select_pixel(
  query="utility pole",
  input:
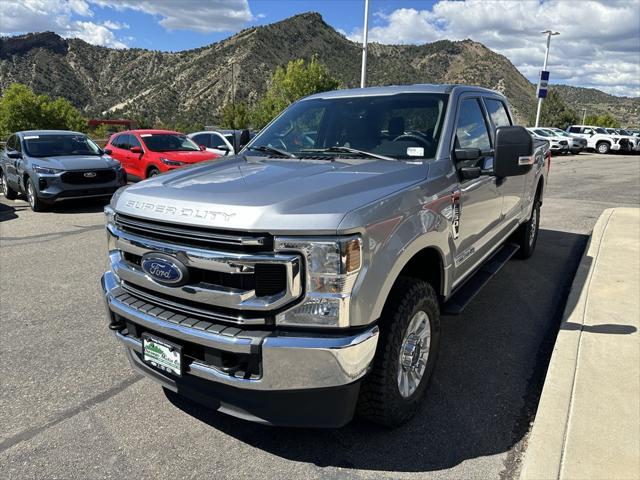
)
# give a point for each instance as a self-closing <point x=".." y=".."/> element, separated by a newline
<point x="363" y="74"/>
<point x="548" y="33"/>
<point x="584" y="115"/>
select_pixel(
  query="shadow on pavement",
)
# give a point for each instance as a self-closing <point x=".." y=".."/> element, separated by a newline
<point x="484" y="391"/>
<point x="609" y="328"/>
<point x="8" y="212"/>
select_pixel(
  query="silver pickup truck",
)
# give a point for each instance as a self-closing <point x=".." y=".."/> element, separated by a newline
<point x="303" y="280"/>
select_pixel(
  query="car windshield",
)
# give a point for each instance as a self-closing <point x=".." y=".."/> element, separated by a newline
<point x="551" y="133"/>
<point x="402" y="126"/>
<point x="561" y="133"/>
<point x="624" y="132"/>
<point x="169" y="142"/>
<point x="58" y="145"/>
<point x="542" y="133"/>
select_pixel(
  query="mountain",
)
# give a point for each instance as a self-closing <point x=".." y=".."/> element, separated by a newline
<point x="625" y="109"/>
<point x="191" y="86"/>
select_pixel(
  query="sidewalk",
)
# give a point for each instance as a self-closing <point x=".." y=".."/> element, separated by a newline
<point x="588" y="420"/>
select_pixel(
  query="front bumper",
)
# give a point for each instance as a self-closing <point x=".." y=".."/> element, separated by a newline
<point x="293" y="370"/>
<point x="52" y="188"/>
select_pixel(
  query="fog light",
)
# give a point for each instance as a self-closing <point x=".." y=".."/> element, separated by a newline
<point x="314" y="311"/>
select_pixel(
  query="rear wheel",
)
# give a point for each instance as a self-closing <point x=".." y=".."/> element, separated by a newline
<point x="528" y="233"/>
<point x="153" y="171"/>
<point x="35" y="203"/>
<point x="603" y="148"/>
<point x="406" y="355"/>
<point x="9" y="193"/>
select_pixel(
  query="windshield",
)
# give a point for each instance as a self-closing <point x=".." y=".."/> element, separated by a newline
<point x="397" y="126"/>
<point x="542" y="133"/>
<point x="169" y="142"/>
<point x="551" y="133"/>
<point x="623" y="132"/>
<point x="58" y="145"/>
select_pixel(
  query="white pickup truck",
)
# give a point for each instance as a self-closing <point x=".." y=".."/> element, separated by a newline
<point x="599" y="139"/>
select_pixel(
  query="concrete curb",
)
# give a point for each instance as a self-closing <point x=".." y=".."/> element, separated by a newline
<point x="560" y="429"/>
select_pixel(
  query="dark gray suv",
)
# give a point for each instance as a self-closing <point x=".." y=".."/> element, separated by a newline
<point x="54" y="165"/>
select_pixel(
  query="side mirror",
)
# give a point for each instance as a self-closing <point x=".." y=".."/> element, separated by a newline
<point x="108" y="151"/>
<point x="513" y="152"/>
<point x="14" y="154"/>
<point x="202" y="148"/>
<point x="136" y="150"/>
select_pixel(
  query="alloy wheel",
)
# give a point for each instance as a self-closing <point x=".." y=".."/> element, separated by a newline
<point x="414" y="353"/>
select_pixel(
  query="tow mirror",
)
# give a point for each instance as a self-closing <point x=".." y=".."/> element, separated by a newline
<point x="136" y="150"/>
<point x="513" y="151"/>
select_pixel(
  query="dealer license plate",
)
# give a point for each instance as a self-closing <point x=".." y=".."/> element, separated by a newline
<point x="162" y="354"/>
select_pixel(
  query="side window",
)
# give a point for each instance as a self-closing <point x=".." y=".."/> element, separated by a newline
<point x="497" y="112"/>
<point x="574" y="129"/>
<point x="471" y="129"/>
<point x="587" y="130"/>
<point x="133" y="142"/>
<point x="202" y="139"/>
<point x="11" y="143"/>
<point x="117" y="142"/>
<point x="218" y="142"/>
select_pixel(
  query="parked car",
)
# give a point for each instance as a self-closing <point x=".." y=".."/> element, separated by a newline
<point x="146" y="153"/>
<point x="598" y="138"/>
<point x="633" y="142"/>
<point x="50" y="166"/>
<point x="557" y="143"/>
<point x="576" y="144"/>
<point x="215" y="142"/>
<point x="299" y="282"/>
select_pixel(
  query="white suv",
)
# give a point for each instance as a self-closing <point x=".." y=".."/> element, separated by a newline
<point x="598" y="138"/>
<point x="634" y="142"/>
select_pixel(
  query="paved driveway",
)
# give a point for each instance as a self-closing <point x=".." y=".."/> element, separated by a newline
<point x="70" y="407"/>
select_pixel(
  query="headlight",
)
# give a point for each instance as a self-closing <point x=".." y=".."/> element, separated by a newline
<point x="46" y="170"/>
<point x="171" y="163"/>
<point x="332" y="266"/>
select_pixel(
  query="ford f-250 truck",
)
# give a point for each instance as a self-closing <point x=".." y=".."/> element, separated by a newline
<point x="303" y="279"/>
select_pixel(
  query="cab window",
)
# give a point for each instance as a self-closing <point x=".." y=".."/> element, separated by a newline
<point x="497" y="112"/>
<point x="471" y="129"/>
<point x="203" y="139"/>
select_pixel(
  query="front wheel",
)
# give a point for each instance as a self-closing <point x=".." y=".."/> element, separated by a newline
<point x="603" y="148"/>
<point x="406" y="355"/>
<point x="153" y="171"/>
<point x="35" y="203"/>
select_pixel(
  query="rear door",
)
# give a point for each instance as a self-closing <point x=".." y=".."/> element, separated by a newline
<point x="120" y="150"/>
<point x="135" y="160"/>
<point x="9" y="164"/>
<point x="480" y="202"/>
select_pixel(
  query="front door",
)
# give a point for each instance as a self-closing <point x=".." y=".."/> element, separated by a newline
<point x="480" y="203"/>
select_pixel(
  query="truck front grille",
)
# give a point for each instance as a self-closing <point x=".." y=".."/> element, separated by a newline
<point x="228" y="284"/>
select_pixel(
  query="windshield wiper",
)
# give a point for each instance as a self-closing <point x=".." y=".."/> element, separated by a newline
<point x="338" y="149"/>
<point x="268" y="149"/>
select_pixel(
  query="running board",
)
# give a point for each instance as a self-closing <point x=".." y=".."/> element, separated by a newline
<point x="469" y="289"/>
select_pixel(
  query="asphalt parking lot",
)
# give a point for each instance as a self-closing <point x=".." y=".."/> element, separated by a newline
<point x="70" y="406"/>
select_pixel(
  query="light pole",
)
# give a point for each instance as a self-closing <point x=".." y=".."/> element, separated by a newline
<point x="584" y="115"/>
<point x="548" y="33"/>
<point x="363" y="74"/>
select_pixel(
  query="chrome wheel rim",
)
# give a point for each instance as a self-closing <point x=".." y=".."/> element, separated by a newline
<point x="414" y="353"/>
<point x="30" y="194"/>
<point x="534" y="226"/>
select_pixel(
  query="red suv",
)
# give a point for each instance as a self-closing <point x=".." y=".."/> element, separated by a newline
<point x="146" y="153"/>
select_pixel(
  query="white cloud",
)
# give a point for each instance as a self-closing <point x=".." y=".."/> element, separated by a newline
<point x="111" y="25"/>
<point x="21" y="16"/>
<point x="197" y="15"/>
<point x="599" y="45"/>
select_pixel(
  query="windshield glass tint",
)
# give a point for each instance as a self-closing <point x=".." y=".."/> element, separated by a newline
<point x="52" y="145"/>
<point x="169" y="142"/>
<point x="398" y="126"/>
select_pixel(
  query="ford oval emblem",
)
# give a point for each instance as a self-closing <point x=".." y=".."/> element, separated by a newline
<point x="90" y="174"/>
<point x="164" y="269"/>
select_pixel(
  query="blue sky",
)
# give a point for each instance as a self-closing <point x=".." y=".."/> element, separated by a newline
<point x="606" y="57"/>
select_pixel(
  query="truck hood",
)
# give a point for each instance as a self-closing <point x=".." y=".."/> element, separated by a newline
<point x="76" y="162"/>
<point x="268" y="195"/>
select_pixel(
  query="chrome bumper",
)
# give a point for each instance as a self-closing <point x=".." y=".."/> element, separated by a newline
<point x="290" y="361"/>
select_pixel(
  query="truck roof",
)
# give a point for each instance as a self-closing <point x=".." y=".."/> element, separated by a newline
<point x="395" y="89"/>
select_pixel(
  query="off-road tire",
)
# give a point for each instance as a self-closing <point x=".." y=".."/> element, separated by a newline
<point x="527" y="235"/>
<point x="380" y="400"/>
<point x="9" y="193"/>
<point x="603" y="148"/>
